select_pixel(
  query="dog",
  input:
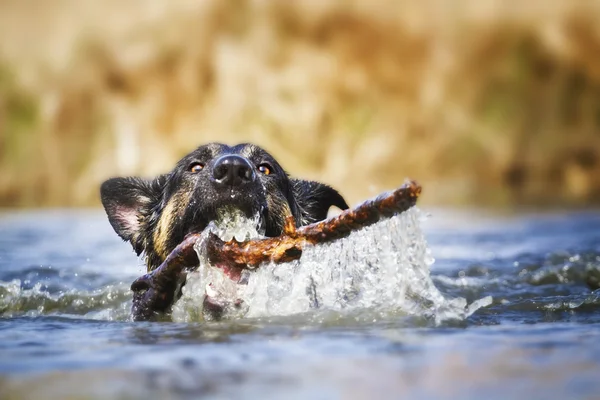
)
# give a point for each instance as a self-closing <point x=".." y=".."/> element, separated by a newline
<point x="155" y="215"/>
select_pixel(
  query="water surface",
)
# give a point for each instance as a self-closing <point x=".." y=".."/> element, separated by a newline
<point x="65" y="329"/>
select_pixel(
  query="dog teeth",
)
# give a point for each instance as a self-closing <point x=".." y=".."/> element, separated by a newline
<point x="227" y="236"/>
<point x="241" y="236"/>
<point x="232" y="225"/>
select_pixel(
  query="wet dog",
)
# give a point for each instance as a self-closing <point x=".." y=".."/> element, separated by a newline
<point x="155" y="215"/>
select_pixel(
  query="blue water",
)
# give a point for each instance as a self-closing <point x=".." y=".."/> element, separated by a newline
<point x="65" y="328"/>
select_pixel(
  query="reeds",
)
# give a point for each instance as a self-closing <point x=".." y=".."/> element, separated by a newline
<point x="483" y="102"/>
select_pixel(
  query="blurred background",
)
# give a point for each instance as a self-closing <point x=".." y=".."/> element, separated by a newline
<point x="491" y="103"/>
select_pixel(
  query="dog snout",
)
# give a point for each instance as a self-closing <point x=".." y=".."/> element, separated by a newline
<point x="232" y="170"/>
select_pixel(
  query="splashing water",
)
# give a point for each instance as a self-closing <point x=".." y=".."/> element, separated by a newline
<point x="384" y="266"/>
<point x="111" y="302"/>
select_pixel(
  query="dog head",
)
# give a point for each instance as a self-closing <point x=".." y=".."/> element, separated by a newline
<point x="156" y="215"/>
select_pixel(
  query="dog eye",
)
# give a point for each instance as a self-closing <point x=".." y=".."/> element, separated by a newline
<point x="265" y="169"/>
<point x="196" y="167"/>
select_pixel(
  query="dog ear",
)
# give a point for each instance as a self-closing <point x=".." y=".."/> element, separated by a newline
<point x="127" y="202"/>
<point x="314" y="199"/>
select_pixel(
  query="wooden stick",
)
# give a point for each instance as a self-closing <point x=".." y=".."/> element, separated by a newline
<point x="155" y="291"/>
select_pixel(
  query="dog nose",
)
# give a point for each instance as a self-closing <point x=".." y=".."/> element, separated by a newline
<point x="232" y="170"/>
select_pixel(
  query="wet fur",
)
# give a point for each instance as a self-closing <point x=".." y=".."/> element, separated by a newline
<point x="155" y="215"/>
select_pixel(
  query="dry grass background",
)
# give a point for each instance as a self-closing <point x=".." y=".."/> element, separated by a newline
<point x="484" y="102"/>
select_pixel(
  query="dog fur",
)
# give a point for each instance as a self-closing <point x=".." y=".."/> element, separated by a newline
<point x="155" y="215"/>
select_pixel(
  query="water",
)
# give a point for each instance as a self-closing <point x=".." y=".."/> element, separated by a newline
<point x="505" y="313"/>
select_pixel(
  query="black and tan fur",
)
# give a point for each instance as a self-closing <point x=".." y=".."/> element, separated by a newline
<point x="155" y="215"/>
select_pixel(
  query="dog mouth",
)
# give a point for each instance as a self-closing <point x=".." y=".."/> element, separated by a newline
<point x="229" y="220"/>
<point x="234" y="223"/>
<point x="215" y="287"/>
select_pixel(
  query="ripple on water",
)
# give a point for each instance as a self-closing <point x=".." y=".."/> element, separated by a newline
<point x="111" y="302"/>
